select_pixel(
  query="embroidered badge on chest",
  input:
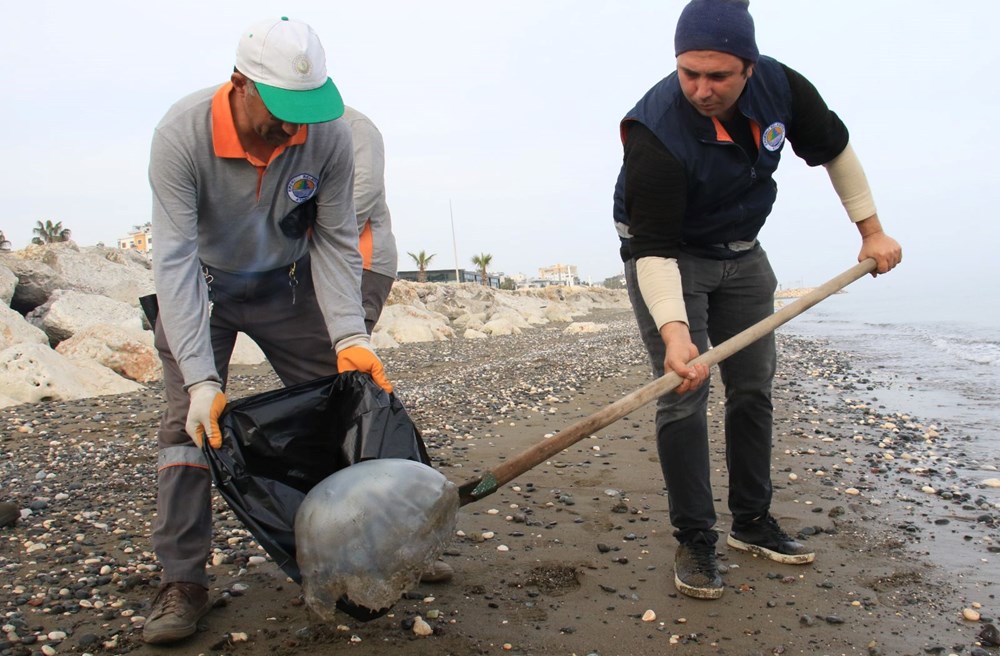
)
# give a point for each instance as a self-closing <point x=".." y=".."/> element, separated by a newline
<point x="774" y="136"/>
<point x="302" y="187"/>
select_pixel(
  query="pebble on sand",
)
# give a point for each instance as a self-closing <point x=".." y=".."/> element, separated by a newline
<point x="422" y="628"/>
<point x="649" y="616"/>
<point x="971" y="615"/>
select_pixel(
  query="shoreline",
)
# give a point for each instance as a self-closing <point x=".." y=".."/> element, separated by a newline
<point x="589" y="546"/>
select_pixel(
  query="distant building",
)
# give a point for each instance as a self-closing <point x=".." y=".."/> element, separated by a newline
<point x="448" y="275"/>
<point x="141" y="240"/>
<point x="557" y="274"/>
<point x="519" y="279"/>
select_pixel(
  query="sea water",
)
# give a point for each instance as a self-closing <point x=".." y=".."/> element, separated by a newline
<point x="933" y="356"/>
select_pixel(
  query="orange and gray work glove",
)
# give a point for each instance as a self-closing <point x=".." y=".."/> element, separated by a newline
<point x="358" y="356"/>
<point x="207" y="403"/>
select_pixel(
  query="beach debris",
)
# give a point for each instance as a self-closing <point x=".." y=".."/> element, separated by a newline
<point x="408" y="510"/>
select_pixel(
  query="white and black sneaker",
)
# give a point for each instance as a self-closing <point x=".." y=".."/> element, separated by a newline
<point x="765" y="538"/>
<point x="696" y="573"/>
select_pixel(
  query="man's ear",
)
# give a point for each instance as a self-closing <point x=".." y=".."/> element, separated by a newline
<point x="750" y="71"/>
<point x="239" y="81"/>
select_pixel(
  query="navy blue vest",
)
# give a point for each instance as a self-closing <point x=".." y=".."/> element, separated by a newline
<point x="728" y="196"/>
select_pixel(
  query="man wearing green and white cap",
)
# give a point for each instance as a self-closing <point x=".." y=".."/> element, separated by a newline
<point x="254" y="231"/>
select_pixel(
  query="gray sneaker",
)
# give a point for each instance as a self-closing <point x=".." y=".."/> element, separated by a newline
<point x="765" y="538"/>
<point x="696" y="574"/>
<point x="175" y="613"/>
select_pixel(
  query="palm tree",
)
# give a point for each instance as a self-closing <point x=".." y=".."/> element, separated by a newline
<point x="422" y="259"/>
<point x="4" y="243"/>
<point x="48" y="232"/>
<point x="482" y="261"/>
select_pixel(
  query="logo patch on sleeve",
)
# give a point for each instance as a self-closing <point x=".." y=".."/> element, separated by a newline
<point x="774" y="136"/>
<point x="302" y="187"/>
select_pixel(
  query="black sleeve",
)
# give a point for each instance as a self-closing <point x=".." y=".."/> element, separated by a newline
<point x="655" y="194"/>
<point x="817" y="134"/>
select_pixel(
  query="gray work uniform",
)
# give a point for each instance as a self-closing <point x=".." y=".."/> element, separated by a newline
<point x="223" y="264"/>
<point x="378" y="244"/>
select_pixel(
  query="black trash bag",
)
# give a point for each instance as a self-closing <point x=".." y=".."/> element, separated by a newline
<point x="276" y="446"/>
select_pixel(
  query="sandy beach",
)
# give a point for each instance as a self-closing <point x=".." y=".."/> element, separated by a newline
<point x="904" y="545"/>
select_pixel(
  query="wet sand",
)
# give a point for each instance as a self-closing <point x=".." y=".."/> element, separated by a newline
<point x="903" y="545"/>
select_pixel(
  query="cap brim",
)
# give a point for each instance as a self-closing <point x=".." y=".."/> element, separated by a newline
<point x="313" y="106"/>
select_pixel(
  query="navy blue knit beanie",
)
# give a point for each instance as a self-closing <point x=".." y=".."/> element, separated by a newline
<point x="721" y="25"/>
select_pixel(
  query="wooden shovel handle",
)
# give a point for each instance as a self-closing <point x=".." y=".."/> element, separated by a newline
<point x="487" y="484"/>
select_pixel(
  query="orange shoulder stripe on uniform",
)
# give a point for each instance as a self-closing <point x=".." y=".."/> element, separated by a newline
<point x="365" y="245"/>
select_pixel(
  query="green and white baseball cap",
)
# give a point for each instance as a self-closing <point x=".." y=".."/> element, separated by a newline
<point x="287" y="62"/>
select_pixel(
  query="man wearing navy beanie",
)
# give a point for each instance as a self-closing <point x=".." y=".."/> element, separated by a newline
<point x="695" y="188"/>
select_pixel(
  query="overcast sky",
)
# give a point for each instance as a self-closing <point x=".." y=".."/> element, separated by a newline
<point x="508" y="112"/>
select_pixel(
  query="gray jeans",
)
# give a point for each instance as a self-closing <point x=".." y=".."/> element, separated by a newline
<point x="722" y="297"/>
<point x="294" y="338"/>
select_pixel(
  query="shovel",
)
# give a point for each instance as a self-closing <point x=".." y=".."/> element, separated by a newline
<point x="488" y="483"/>
<point x="415" y="515"/>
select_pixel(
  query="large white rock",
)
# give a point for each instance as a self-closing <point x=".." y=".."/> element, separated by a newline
<point x="509" y="316"/>
<point x="121" y="275"/>
<point x="408" y="323"/>
<point x="129" y="353"/>
<point x="583" y="327"/>
<point x="382" y="340"/>
<point x="35" y="281"/>
<point x="561" y="313"/>
<point x="531" y="310"/>
<point x="32" y="373"/>
<point x="68" y="312"/>
<point x="246" y="351"/>
<point x="474" y="321"/>
<point x="15" y="330"/>
<point x="455" y="301"/>
<point x="504" y="325"/>
<point x="8" y="283"/>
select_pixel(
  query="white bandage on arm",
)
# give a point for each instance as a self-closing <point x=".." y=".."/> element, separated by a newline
<point x="851" y="185"/>
<point x="659" y="281"/>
